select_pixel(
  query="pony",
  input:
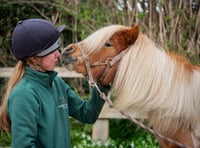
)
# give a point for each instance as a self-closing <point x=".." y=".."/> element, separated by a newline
<point x="162" y="86"/>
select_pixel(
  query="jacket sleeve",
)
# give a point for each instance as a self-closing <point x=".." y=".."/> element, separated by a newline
<point x="86" y="111"/>
<point x="23" y="111"/>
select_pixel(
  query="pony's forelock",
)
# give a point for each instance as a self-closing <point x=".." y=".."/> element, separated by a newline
<point x="97" y="39"/>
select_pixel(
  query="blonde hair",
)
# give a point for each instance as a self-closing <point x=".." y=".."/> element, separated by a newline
<point x="17" y="75"/>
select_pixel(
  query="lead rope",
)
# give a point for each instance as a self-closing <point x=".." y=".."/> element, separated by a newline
<point x="92" y="83"/>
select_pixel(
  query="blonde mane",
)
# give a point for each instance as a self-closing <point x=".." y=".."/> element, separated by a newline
<point x="152" y="83"/>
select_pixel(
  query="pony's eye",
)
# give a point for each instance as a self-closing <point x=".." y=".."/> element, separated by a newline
<point x="107" y="44"/>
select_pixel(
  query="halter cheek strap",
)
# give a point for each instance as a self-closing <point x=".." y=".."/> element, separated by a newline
<point x="110" y="62"/>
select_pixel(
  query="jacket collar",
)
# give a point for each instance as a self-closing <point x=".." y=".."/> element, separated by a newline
<point x="43" y="78"/>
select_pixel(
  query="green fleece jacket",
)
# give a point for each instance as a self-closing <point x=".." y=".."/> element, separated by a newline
<point x="39" y="108"/>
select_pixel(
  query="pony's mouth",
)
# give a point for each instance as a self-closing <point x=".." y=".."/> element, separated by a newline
<point x="69" y="60"/>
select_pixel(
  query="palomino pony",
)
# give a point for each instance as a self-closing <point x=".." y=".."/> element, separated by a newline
<point x="162" y="86"/>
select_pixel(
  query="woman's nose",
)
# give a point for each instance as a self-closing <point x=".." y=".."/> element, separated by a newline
<point x="57" y="53"/>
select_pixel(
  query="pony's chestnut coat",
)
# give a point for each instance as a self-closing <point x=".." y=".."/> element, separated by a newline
<point x="148" y="81"/>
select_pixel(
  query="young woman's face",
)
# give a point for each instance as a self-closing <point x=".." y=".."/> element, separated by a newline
<point x="48" y="63"/>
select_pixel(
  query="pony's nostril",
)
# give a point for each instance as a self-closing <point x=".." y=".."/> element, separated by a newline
<point x="69" y="50"/>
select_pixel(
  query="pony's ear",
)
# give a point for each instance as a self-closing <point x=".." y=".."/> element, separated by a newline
<point x="134" y="32"/>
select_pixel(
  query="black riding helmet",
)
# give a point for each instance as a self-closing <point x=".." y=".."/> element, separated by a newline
<point x="35" y="37"/>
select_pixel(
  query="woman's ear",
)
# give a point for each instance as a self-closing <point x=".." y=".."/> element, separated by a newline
<point x="33" y="60"/>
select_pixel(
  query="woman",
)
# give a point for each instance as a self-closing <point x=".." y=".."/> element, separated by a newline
<point x="37" y="102"/>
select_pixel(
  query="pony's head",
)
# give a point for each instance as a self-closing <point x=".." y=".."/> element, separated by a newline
<point x="103" y="49"/>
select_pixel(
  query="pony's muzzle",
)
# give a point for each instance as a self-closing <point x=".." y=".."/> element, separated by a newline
<point x="66" y="58"/>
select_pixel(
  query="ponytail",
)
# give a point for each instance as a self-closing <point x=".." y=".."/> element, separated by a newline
<point x="17" y="75"/>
